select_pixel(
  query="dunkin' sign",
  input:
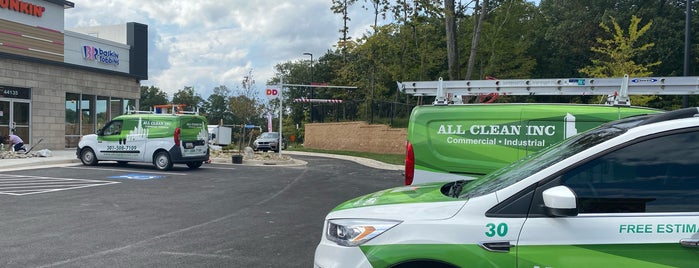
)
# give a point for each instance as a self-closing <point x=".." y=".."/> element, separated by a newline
<point x="23" y="7"/>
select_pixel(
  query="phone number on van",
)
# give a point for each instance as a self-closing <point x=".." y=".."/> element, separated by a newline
<point x="120" y="148"/>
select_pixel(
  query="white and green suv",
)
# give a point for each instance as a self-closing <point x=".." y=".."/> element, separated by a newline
<point x="625" y="194"/>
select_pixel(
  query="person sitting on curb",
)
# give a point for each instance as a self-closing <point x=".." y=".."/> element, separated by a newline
<point x="16" y="142"/>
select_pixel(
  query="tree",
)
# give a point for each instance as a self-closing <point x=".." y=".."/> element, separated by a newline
<point x="615" y="57"/>
<point x="452" y="44"/>
<point x="216" y="106"/>
<point x="342" y="7"/>
<point x="298" y="72"/>
<point x="151" y="96"/>
<point x="245" y="106"/>
<point x="506" y="39"/>
<point x="565" y="31"/>
<point x="188" y="97"/>
<point x="479" y="17"/>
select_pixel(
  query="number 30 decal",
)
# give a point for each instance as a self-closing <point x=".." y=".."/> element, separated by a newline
<point x="499" y="230"/>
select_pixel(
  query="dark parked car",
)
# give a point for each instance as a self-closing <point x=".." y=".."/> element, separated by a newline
<point x="269" y="141"/>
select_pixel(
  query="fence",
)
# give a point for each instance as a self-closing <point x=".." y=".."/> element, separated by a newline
<point x="394" y="114"/>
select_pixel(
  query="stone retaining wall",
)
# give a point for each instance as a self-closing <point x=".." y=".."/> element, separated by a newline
<point x="355" y="136"/>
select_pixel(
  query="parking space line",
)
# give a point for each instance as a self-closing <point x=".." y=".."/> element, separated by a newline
<point x="223" y="168"/>
<point x="131" y="170"/>
<point x="18" y="185"/>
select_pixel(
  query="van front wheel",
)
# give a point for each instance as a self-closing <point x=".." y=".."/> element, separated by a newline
<point x="195" y="164"/>
<point x="162" y="161"/>
<point x="88" y="157"/>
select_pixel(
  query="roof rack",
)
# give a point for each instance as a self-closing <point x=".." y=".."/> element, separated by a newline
<point x="618" y="89"/>
<point x="174" y="109"/>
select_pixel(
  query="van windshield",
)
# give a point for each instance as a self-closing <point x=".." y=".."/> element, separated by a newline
<point x="528" y="166"/>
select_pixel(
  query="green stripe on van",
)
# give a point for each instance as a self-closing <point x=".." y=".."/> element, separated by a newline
<point x="570" y="256"/>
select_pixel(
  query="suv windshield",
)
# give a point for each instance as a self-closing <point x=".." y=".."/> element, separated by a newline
<point x="547" y="157"/>
<point x="268" y="135"/>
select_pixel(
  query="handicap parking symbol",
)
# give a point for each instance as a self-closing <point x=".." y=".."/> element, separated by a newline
<point x="136" y="177"/>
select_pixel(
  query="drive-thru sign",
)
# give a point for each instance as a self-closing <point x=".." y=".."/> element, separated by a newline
<point x="272" y="93"/>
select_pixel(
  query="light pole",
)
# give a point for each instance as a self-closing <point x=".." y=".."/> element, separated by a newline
<point x="687" y="47"/>
<point x="311" y="83"/>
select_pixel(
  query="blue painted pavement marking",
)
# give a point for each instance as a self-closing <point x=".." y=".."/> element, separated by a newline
<point x="136" y="177"/>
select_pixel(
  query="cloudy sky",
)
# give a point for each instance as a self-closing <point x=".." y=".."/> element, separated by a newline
<point x="207" y="43"/>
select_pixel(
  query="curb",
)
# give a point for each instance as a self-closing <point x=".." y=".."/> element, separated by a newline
<point x="68" y="157"/>
<point x="359" y="160"/>
<point x="291" y="162"/>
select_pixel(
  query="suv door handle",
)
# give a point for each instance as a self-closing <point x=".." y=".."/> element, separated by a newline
<point x="496" y="246"/>
<point x="690" y="243"/>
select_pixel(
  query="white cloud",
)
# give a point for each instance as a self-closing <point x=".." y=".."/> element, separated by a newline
<point x="208" y="43"/>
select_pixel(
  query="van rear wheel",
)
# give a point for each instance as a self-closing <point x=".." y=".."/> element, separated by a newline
<point x="88" y="157"/>
<point x="195" y="164"/>
<point x="162" y="161"/>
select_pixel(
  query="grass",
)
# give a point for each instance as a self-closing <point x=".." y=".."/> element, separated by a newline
<point x="395" y="159"/>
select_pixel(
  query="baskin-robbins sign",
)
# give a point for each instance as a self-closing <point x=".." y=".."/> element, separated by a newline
<point x="100" y="55"/>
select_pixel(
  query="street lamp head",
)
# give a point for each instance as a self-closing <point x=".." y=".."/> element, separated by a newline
<point x="309" y="54"/>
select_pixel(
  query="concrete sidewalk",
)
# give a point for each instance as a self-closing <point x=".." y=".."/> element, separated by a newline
<point x="58" y="157"/>
<point x="68" y="156"/>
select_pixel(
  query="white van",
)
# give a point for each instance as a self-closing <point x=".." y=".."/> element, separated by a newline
<point x="161" y="139"/>
<point x="625" y="194"/>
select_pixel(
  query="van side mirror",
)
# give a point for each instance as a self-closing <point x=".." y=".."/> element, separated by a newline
<point x="99" y="132"/>
<point x="560" y="201"/>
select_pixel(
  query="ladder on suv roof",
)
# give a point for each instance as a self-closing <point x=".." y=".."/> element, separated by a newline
<point x="619" y="89"/>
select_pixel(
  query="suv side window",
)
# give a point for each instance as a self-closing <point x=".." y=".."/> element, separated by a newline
<point x="654" y="175"/>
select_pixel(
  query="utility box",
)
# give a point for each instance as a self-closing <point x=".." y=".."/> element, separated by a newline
<point x="219" y="135"/>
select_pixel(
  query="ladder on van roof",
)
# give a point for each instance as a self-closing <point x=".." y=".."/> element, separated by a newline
<point x="174" y="109"/>
<point x="617" y="89"/>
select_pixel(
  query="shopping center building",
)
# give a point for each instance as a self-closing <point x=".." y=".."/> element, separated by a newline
<point x="57" y="84"/>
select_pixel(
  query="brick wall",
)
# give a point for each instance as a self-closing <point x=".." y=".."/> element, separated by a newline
<point x="355" y="136"/>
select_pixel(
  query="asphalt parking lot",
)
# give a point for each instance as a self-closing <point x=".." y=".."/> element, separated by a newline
<point x="221" y="215"/>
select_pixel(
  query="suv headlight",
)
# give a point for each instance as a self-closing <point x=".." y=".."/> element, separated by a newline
<point x="354" y="232"/>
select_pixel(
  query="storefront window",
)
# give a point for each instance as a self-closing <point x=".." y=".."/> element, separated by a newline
<point x="101" y="111"/>
<point x="87" y="114"/>
<point x="4" y="117"/>
<point x="130" y="104"/>
<point x="5" y="113"/>
<point x="20" y="120"/>
<point x="72" y="120"/>
<point x="21" y="115"/>
<point x="116" y="107"/>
